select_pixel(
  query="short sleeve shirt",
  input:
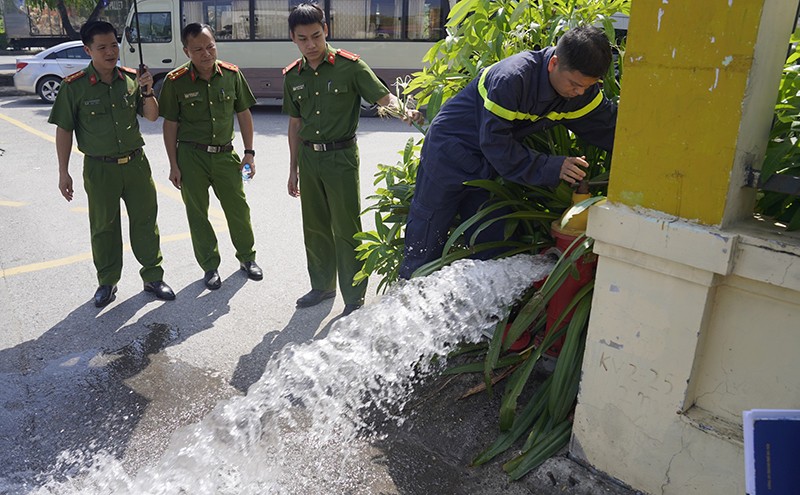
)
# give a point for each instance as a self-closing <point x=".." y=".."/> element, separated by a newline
<point x="204" y="109"/>
<point x="103" y="116"/>
<point x="328" y="98"/>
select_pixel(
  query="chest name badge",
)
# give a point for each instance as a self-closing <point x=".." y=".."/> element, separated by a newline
<point x="298" y="88"/>
<point x="191" y="95"/>
<point x="92" y="102"/>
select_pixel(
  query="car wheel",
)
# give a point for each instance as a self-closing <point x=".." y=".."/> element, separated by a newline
<point x="47" y="89"/>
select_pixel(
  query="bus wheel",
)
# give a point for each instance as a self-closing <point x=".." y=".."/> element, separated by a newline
<point x="368" y="109"/>
<point x="48" y="88"/>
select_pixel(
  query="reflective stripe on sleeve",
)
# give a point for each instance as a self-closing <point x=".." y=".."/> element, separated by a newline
<point x="507" y="114"/>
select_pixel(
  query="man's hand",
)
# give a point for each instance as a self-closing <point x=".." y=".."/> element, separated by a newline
<point x="65" y="186"/>
<point x="250" y="160"/>
<point x="294" y="188"/>
<point x="175" y="177"/>
<point x="145" y="80"/>
<point x="414" y="116"/>
<point x="572" y="169"/>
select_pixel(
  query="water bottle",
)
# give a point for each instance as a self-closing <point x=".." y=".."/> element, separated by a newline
<point x="246" y="173"/>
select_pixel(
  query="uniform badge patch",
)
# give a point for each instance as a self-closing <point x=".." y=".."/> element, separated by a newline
<point x="92" y="102"/>
<point x="298" y="88"/>
<point x="191" y="95"/>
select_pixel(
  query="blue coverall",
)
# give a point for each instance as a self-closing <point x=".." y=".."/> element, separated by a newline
<point x="478" y="135"/>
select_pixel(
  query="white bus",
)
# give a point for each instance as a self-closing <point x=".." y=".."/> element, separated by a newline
<point x="392" y="36"/>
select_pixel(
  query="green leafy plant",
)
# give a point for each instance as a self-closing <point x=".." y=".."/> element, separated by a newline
<point x="381" y="250"/>
<point x="783" y="148"/>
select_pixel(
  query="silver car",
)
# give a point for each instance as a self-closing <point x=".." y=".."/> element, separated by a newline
<point x="43" y="72"/>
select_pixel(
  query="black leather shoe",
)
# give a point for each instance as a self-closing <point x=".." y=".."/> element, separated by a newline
<point x="349" y="308"/>
<point x="104" y="295"/>
<point x="314" y="297"/>
<point x="160" y="289"/>
<point x="252" y="269"/>
<point x="212" y="280"/>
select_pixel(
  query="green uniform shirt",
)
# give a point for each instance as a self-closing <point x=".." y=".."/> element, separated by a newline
<point x="328" y="99"/>
<point x="102" y="115"/>
<point x="205" y="109"/>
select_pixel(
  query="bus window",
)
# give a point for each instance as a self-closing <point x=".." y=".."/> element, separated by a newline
<point x="366" y="19"/>
<point x="156" y="27"/>
<point x="230" y="19"/>
<point x="426" y="18"/>
<point x="272" y="18"/>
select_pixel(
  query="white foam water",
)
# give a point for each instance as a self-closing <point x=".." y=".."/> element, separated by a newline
<point x="306" y="425"/>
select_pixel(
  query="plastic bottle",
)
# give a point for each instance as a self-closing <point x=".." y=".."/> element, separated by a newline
<point x="246" y="173"/>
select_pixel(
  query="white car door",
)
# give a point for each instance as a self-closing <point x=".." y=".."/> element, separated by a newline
<point x="71" y="60"/>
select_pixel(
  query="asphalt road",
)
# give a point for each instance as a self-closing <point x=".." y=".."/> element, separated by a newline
<point x="176" y="358"/>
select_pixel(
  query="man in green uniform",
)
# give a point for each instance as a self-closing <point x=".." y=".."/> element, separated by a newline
<point x="100" y="104"/>
<point x="198" y="102"/>
<point x="322" y="94"/>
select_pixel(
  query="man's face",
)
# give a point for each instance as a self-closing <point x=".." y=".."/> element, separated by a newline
<point x="310" y="39"/>
<point x="568" y="83"/>
<point x="104" y="51"/>
<point x="202" y="50"/>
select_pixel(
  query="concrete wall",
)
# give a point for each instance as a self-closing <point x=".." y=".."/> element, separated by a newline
<point x="696" y="310"/>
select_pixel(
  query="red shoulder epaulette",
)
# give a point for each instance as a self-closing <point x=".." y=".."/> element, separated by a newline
<point x="177" y="73"/>
<point x="348" y="55"/>
<point x="74" y="76"/>
<point x="291" y="66"/>
<point x="128" y="70"/>
<point x="228" y="65"/>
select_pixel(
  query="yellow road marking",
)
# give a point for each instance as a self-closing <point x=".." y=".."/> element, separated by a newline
<point x="69" y="260"/>
<point x="214" y="212"/>
<point x="169" y="191"/>
<point x="33" y="131"/>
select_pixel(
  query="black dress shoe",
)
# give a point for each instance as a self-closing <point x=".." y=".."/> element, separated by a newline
<point x="160" y="289"/>
<point x="349" y="308"/>
<point x="252" y="269"/>
<point x="104" y="295"/>
<point x="314" y="297"/>
<point x="212" y="280"/>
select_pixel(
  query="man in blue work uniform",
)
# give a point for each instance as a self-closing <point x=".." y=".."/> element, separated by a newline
<point x="478" y="135"/>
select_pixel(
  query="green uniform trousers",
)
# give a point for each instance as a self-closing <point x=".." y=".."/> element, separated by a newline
<point x="331" y="208"/>
<point x="106" y="184"/>
<point x="220" y="171"/>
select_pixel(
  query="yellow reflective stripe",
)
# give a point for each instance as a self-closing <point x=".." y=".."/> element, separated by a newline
<point x="576" y="114"/>
<point x="497" y="109"/>
<point x="512" y="115"/>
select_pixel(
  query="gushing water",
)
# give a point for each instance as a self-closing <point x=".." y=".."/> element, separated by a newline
<point x="303" y="427"/>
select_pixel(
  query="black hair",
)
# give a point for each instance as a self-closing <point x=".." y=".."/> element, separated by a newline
<point x="90" y="29"/>
<point x="192" y="30"/>
<point x="585" y="49"/>
<point x="305" y="14"/>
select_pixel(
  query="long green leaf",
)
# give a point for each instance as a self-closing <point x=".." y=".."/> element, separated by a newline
<point x="524" y="420"/>
<point x="554" y="441"/>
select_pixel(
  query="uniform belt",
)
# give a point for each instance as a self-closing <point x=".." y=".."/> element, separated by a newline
<point x="211" y="148"/>
<point x="336" y="145"/>
<point x="119" y="160"/>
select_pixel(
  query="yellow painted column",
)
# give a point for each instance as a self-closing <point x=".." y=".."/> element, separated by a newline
<point x="657" y="406"/>
<point x="687" y="127"/>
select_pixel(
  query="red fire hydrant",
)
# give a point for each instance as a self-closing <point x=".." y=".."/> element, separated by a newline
<point x="586" y="265"/>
